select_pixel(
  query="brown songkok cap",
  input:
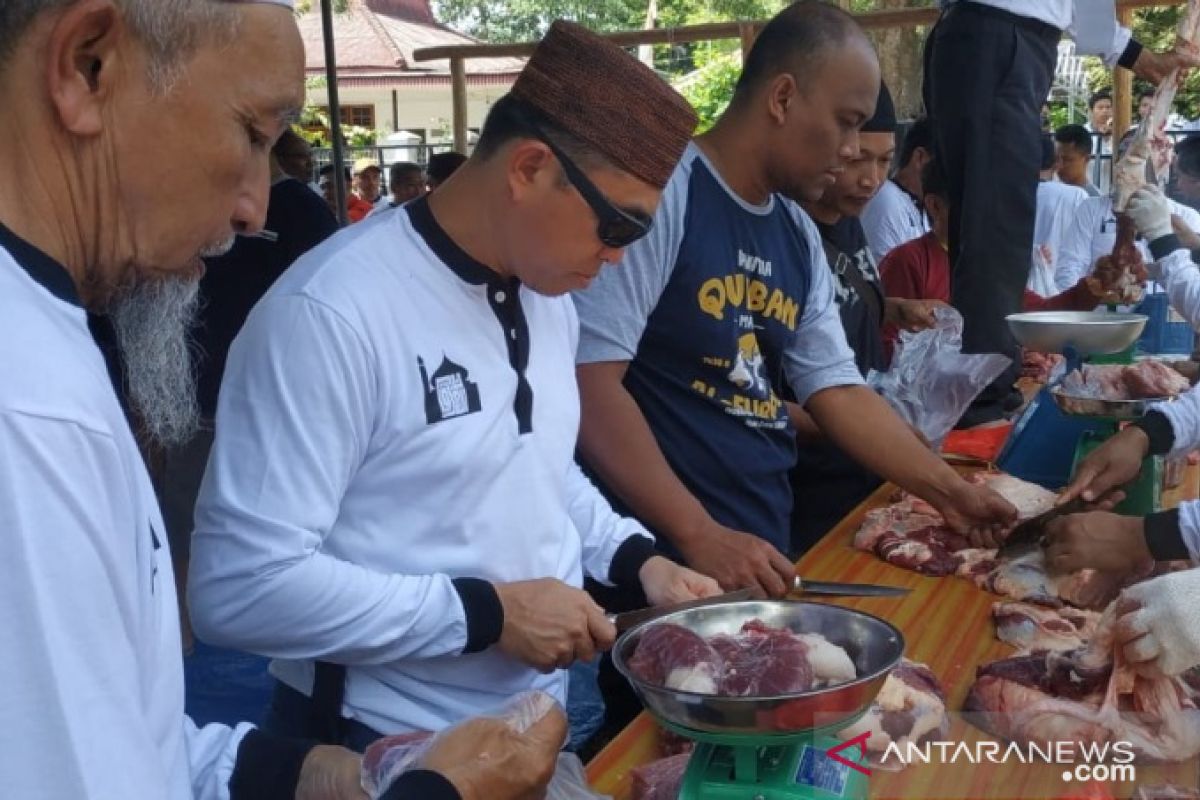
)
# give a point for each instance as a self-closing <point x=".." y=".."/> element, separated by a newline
<point x="610" y="101"/>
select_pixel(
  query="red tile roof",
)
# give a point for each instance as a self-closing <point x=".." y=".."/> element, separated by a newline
<point x="378" y="37"/>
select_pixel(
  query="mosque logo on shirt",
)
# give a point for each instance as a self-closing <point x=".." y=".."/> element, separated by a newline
<point x="449" y="392"/>
<point x="749" y="369"/>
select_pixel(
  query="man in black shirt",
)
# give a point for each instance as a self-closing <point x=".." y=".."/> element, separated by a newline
<point x="826" y="482"/>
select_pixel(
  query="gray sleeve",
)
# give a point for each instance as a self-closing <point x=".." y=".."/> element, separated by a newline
<point x="819" y="356"/>
<point x="614" y="309"/>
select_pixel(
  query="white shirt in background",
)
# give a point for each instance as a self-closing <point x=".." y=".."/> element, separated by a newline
<point x="1056" y="207"/>
<point x="891" y="219"/>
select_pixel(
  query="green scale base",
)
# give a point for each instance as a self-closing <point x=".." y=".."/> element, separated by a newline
<point x="792" y="766"/>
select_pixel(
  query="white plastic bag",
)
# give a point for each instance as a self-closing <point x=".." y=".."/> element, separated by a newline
<point x="390" y="757"/>
<point x="931" y="382"/>
<point x="1041" y="271"/>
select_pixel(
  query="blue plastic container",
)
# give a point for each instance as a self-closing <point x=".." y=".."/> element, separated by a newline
<point x="1166" y="332"/>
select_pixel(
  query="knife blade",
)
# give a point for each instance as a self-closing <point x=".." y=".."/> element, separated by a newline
<point x="835" y="589"/>
<point x="1028" y="534"/>
<point x="626" y="620"/>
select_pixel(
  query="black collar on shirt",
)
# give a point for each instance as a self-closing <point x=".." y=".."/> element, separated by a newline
<point x="447" y="249"/>
<point x="503" y="295"/>
<point x="52" y="275"/>
<point x="916" y="201"/>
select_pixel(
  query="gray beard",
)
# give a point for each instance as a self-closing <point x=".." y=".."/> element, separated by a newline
<point x="153" y="322"/>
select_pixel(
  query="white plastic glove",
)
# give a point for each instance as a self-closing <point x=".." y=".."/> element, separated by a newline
<point x="1163" y="636"/>
<point x="1150" y="212"/>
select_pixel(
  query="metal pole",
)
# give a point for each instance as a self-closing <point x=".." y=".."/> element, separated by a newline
<point x="335" y="112"/>
<point x="458" y="92"/>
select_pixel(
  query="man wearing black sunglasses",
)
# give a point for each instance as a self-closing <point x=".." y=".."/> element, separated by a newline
<point x="685" y="349"/>
<point x="398" y="422"/>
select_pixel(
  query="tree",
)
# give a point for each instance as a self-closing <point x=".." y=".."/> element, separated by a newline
<point x="527" y="20"/>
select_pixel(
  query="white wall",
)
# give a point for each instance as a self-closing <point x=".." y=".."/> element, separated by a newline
<point x="419" y="108"/>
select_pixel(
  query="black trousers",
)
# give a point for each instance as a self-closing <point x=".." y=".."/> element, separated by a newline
<point x="987" y="73"/>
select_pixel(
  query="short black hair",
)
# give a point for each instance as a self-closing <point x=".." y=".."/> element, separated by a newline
<point x="1077" y="136"/>
<point x="511" y="118"/>
<point x="1103" y="94"/>
<point x="933" y="180"/>
<point x="401" y="167"/>
<point x="1146" y="91"/>
<point x="442" y="165"/>
<point x="796" y="40"/>
<point x="1047" y="152"/>
<point x="328" y="170"/>
<point x="1187" y="153"/>
<point x="919" y="134"/>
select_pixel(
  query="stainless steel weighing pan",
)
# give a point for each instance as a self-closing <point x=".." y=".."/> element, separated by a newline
<point x="1089" y="332"/>
<point x="1104" y="409"/>
<point x="874" y="646"/>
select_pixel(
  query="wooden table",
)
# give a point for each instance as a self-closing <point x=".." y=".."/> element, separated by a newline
<point x="947" y="624"/>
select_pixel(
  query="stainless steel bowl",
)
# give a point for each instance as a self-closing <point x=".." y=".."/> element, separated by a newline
<point x="1104" y="409"/>
<point x="874" y="646"/>
<point x="1089" y="332"/>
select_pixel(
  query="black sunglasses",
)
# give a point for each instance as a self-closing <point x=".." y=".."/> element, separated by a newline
<point x="615" y="226"/>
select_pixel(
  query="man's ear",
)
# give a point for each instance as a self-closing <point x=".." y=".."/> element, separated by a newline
<point x="782" y="94"/>
<point x="81" y="56"/>
<point x="528" y="160"/>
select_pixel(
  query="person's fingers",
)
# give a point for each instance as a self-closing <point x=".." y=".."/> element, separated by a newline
<point x="771" y="582"/>
<point x="783" y="565"/>
<point x="549" y="732"/>
<point x="601" y="633"/>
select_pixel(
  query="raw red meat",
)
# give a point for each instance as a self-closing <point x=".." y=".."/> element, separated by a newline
<point x="1033" y="628"/>
<point x="659" y="780"/>
<point x="1038" y="366"/>
<point x="757" y="661"/>
<point x="673" y="656"/>
<point x="1084" y="696"/>
<point x="1145" y="380"/>
<point x="911" y="707"/>
<point x="763" y="662"/>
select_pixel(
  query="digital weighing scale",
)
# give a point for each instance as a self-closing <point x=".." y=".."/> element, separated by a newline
<point x="1056" y="432"/>
<point x="773" y="748"/>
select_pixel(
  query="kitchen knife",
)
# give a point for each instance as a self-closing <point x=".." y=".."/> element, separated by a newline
<point x="628" y="619"/>
<point x="1028" y="534"/>
<point x="833" y="589"/>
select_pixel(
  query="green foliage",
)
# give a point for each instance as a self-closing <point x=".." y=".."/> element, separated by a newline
<point x="1154" y="28"/>
<point x="710" y="88"/>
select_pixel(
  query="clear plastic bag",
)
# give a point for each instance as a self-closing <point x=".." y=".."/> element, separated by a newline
<point x="390" y="757"/>
<point x="931" y="381"/>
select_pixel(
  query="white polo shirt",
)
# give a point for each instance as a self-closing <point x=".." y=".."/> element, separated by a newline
<point x="91" y="676"/>
<point x="891" y="219"/>
<point x="396" y="427"/>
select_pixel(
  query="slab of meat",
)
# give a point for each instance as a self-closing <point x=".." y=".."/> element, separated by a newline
<point x="673" y="656"/>
<point x="1033" y="628"/>
<point x="1150" y="144"/>
<point x="764" y="662"/>
<point x="1038" y="366"/>
<point x="1086" y="695"/>
<point x="911" y="707"/>
<point x="659" y="780"/>
<point x="1145" y="380"/>
<point x="757" y="661"/>
<point x="909" y="533"/>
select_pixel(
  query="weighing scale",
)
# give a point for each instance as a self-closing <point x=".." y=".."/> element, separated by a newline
<point x="1056" y="432"/>
<point x="792" y="766"/>
<point x="773" y="748"/>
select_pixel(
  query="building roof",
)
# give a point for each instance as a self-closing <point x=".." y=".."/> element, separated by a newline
<point x="375" y="40"/>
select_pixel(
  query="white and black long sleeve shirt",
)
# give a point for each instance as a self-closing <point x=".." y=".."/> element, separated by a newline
<point x="395" y="435"/>
<point x="1091" y="23"/>
<point x="91" y="677"/>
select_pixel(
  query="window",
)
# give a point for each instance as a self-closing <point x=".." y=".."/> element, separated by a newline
<point x="361" y="116"/>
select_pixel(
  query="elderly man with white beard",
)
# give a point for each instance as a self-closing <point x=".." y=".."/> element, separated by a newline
<point x="110" y="105"/>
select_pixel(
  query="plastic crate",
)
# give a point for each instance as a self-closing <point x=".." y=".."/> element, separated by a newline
<point x="1166" y="332"/>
